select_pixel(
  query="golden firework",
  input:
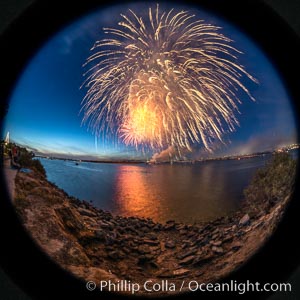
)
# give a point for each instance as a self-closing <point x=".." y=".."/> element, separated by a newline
<point x="164" y="79"/>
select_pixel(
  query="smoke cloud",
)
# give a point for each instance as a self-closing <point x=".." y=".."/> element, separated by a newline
<point x="164" y="156"/>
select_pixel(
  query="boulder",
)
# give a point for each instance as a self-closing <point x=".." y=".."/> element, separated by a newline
<point x="187" y="253"/>
<point x="181" y="272"/>
<point x="244" y="220"/>
<point x="218" y="250"/>
<point x="169" y="226"/>
<point x="69" y="219"/>
<point x="162" y="246"/>
<point x="170" y="244"/>
<point x="187" y="260"/>
<point x="86" y="212"/>
<point x="216" y="243"/>
<point x="236" y="246"/>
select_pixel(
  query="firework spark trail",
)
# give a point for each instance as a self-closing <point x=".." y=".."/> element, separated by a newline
<point x="165" y="80"/>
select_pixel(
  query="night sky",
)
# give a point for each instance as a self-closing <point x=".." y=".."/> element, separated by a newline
<point x="44" y="111"/>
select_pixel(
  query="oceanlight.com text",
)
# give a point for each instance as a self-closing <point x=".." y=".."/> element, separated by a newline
<point x="151" y="286"/>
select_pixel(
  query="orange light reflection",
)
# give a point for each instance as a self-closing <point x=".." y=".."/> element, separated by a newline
<point x="134" y="194"/>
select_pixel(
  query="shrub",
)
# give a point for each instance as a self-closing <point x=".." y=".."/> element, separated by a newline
<point x="273" y="182"/>
<point x="26" y="160"/>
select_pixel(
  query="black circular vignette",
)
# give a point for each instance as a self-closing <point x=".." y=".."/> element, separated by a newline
<point x="29" y="267"/>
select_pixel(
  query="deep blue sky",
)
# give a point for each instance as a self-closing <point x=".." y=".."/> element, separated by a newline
<point x="44" y="111"/>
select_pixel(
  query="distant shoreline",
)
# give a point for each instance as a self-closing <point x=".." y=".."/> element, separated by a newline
<point x="91" y="161"/>
<point x="224" y="158"/>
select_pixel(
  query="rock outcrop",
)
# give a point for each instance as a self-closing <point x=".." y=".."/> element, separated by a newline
<point x="95" y="245"/>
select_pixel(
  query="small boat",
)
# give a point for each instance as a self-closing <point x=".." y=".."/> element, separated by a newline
<point x="77" y="162"/>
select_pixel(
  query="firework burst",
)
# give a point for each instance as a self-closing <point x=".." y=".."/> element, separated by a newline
<point x="164" y="79"/>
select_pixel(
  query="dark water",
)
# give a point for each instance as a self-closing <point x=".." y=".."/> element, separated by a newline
<point x="185" y="193"/>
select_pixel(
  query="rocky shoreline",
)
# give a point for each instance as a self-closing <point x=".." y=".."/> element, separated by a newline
<point x="95" y="245"/>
